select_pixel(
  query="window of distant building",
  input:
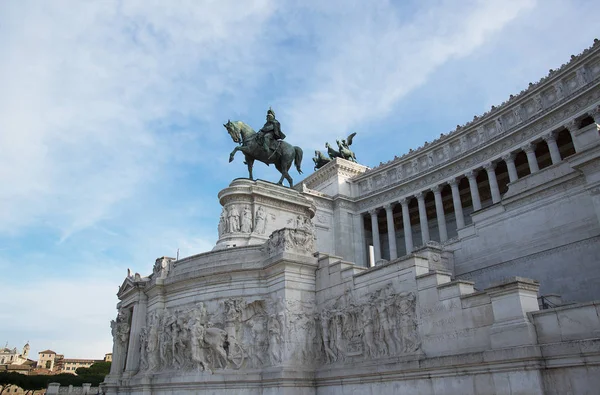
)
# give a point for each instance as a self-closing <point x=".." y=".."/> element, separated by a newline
<point x="48" y="364"/>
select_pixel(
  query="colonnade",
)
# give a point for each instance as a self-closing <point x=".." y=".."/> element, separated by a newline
<point x="490" y="168"/>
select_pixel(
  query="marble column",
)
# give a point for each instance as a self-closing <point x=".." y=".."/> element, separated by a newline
<point x="423" y="217"/>
<point x="458" y="211"/>
<point x="389" y="212"/>
<point x="531" y="159"/>
<point x="550" y="139"/>
<point x="490" y="168"/>
<point x="439" y="211"/>
<point x="572" y="127"/>
<point x="407" y="228"/>
<point x="472" y="177"/>
<point x="509" y="159"/>
<point x="375" y="232"/>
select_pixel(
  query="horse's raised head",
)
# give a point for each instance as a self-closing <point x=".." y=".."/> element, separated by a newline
<point x="233" y="131"/>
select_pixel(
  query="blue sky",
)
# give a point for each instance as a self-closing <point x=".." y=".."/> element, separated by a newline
<point x="111" y="120"/>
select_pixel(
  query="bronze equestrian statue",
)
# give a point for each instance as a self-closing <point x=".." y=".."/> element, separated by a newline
<point x="266" y="146"/>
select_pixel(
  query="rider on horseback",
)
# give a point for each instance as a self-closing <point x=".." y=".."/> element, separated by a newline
<point x="271" y="131"/>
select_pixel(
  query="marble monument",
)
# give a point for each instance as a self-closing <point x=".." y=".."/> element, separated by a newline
<point x="466" y="266"/>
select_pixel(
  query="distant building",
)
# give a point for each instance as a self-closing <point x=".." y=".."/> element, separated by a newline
<point x="50" y="362"/>
<point x="10" y="356"/>
<point x="47" y="359"/>
<point x="70" y="365"/>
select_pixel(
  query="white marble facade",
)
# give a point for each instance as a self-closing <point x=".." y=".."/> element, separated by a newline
<point x="290" y="302"/>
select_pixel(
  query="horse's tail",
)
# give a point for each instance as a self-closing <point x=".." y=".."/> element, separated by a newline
<point x="298" y="159"/>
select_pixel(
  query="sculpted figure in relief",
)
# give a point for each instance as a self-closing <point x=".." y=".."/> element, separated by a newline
<point x="329" y="354"/>
<point x="152" y="347"/>
<point x="260" y="220"/>
<point x="222" y="227"/>
<point x="382" y="324"/>
<point x="246" y="220"/>
<point x="144" y="348"/>
<point x="234" y="220"/>
<point x="275" y="340"/>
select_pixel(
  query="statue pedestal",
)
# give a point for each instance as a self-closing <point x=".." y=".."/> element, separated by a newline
<point x="252" y="210"/>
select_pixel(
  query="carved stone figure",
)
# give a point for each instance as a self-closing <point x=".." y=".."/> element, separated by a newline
<point x="144" y="349"/>
<point x="320" y="160"/>
<point x="260" y="220"/>
<point x="120" y="331"/>
<point x="366" y="315"/>
<point x="222" y="227"/>
<point x="197" y="333"/>
<point x="329" y="354"/>
<point x="233" y="220"/>
<point x="275" y="340"/>
<point x="382" y="324"/>
<point x="280" y="153"/>
<point x="246" y="226"/>
<point x="152" y="347"/>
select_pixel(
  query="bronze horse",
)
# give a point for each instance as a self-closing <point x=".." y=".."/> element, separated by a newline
<point x="282" y="157"/>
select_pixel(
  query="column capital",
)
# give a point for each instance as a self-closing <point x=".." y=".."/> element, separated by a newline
<point x="595" y="113"/>
<point x="387" y="206"/>
<point x="490" y="166"/>
<point x="436" y="189"/>
<point x="404" y="201"/>
<point x="453" y="182"/>
<point x="373" y="212"/>
<point x="572" y="125"/>
<point x="528" y="148"/>
<point x="420" y="195"/>
<point x="551" y="136"/>
<point x="471" y="174"/>
<point x="510" y="157"/>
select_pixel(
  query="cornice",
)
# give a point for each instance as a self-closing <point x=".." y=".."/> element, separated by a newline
<point x="510" y="108"/>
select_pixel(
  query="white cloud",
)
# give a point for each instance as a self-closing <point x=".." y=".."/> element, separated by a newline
<point x="377" y="60"/>
<point x="87" y="85"/>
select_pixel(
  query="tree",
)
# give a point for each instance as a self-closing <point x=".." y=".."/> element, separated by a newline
<point x="98" y="368"/>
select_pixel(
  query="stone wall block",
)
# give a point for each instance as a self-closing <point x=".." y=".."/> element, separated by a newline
<point x="511" y="301"/>
<point x="547" y="328"/>
<point x="578" y="323"/>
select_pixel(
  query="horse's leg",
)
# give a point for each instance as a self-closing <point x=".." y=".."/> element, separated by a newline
<point x="231" y="155"/>
<point x="280" y="169"/>
<point x="286" y="164"/>
<point x="250" y="162"/>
